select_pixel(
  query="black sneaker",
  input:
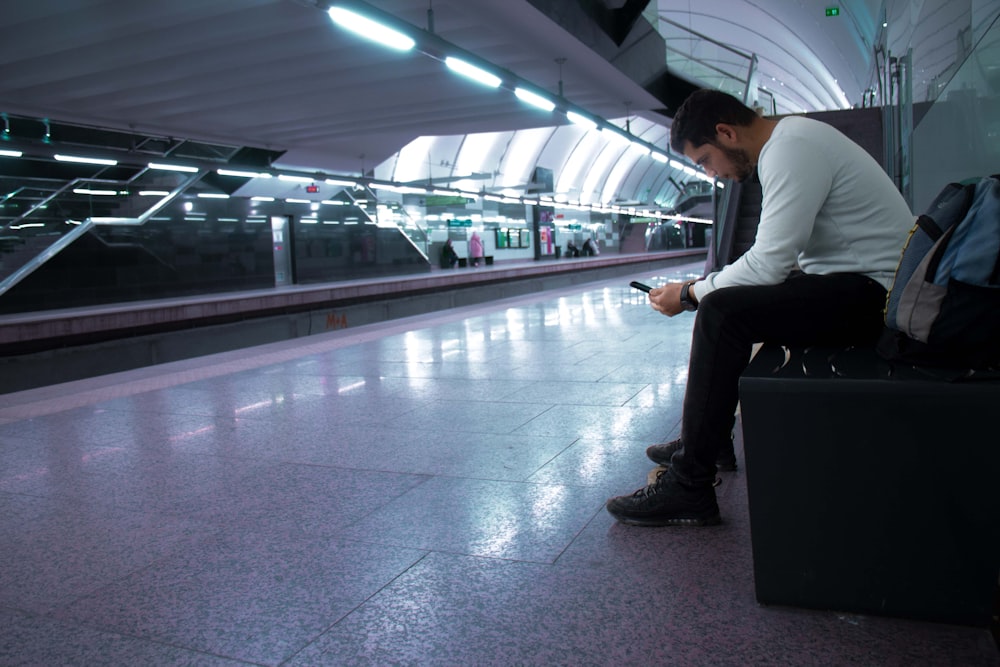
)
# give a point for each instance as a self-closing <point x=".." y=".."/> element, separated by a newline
<point x="661" y="454"/>
<point x="666" y="502"/>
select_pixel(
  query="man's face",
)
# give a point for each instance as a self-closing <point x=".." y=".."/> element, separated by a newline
<point x="721" y="161"/>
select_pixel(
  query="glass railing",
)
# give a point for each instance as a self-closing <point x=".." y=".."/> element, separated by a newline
<point x="710" y="63"/>
<point x="390" y="211"/>
<point x="39" y="219"/>
<point x="958" y="137"/>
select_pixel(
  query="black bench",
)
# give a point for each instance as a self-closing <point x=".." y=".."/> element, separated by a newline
<point x="872" y="488"/>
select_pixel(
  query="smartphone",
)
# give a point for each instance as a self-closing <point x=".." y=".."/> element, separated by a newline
<point x="639" y="286"/>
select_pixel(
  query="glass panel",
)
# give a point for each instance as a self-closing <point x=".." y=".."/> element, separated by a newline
<point x="957" y="137"/>
<point x="40" y="218"/>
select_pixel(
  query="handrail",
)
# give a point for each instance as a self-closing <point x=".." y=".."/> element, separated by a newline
<point x="81" y="227"/>
<point x="51" y="251"/>
<point x="748" y="82"/>
<point x="704" y="37"/>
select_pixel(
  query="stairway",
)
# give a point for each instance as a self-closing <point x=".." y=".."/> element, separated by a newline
<point x="634" y="238"/>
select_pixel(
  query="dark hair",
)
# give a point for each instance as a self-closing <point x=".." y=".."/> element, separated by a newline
<point x="697" y="117"/>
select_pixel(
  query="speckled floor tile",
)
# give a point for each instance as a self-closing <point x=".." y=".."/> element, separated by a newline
<point x="33" y="641"/>
<point x="319" y="500"/>
<point x="460" y="610"/>
<point x="55" y="550"/>
<point x="251" y="596"/>
<point x="508" y="520"/>
<point x="426" y="491"/>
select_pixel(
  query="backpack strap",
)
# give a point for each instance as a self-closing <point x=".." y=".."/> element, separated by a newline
<point x="927" y="224"/>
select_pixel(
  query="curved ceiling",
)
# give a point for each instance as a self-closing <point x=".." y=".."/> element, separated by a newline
<point x="279" y="75"/>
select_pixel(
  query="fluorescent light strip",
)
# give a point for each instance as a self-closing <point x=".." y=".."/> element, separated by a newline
<point x="11" y="153"/>
<point x="153" y="193"/>
<point x="261" y="198"/>
<point x="470" y="71"/>
<point x="346" y="184"/>
<point x="213" y="195"/>
<point x="295" y="179"/>
<point x="369" y="29"/>
<point x="534" y="99"/>
<point x="85" y="160"/>
<point x="581" y="120"/>
<point x="298" y="201"/>
<point x="242" y="174"/>
<point x="172" y="167"/>
<point x="88" y="191"/>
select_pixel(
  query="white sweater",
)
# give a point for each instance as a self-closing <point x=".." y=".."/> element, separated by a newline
<point x="828" y="207"/>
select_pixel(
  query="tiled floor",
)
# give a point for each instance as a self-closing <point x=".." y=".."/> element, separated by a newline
<point x="422" y="492"/>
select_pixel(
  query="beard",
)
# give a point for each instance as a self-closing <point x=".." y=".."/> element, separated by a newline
<point x="742" y="167"/>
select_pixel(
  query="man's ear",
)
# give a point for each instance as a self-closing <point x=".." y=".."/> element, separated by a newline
<point x="726" y="134"/>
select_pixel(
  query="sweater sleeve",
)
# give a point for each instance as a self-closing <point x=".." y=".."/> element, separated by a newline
<point x="795" y="181"/>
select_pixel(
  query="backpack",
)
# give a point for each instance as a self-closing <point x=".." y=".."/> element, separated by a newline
<point x="943" y="308"/>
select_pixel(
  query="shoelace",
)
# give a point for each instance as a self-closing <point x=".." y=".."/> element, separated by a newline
<point x="650" y="489"/>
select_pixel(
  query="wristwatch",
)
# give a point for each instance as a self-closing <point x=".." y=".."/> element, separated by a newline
<point x="688" y="300"/>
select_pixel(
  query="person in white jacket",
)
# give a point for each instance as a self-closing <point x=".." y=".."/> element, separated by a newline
<point x="831" y="230"/>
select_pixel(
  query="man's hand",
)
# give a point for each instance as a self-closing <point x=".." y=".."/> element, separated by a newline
<point x="667" y="299"/>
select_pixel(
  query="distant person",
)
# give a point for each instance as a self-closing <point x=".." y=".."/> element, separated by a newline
<point x="832" y="225"/>
<point x="449" y="258"/>
<point x="590" y="248"/>
<point x="475" y="249"/>
<point x="572" y="250"/>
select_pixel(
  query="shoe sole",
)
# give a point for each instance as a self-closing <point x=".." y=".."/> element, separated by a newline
<point x="657" y="523"/>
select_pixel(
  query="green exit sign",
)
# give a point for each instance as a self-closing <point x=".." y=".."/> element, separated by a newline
<point x="833" y="11"/>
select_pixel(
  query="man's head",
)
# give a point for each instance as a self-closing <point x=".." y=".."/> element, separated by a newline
<point x="714" y="130"/>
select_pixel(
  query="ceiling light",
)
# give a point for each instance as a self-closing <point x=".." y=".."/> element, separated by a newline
<point x="295" y="179"/>
<point x="346" y="184"/>
<point x="213" y="195"/>
<point x="241" y="174"/>
<point x="472" y="72"/>
<point x="172" y="167"/>
<point x="534" y="99"/>
<point x="10" y="153"/>
<point x="85" y="160"/>
<point x="88" y="191"/>
<point x="369" y="29"/>
<point x="581" y="120"/>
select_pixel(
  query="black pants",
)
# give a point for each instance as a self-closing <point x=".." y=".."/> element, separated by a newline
<point x="839" y="309"/>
